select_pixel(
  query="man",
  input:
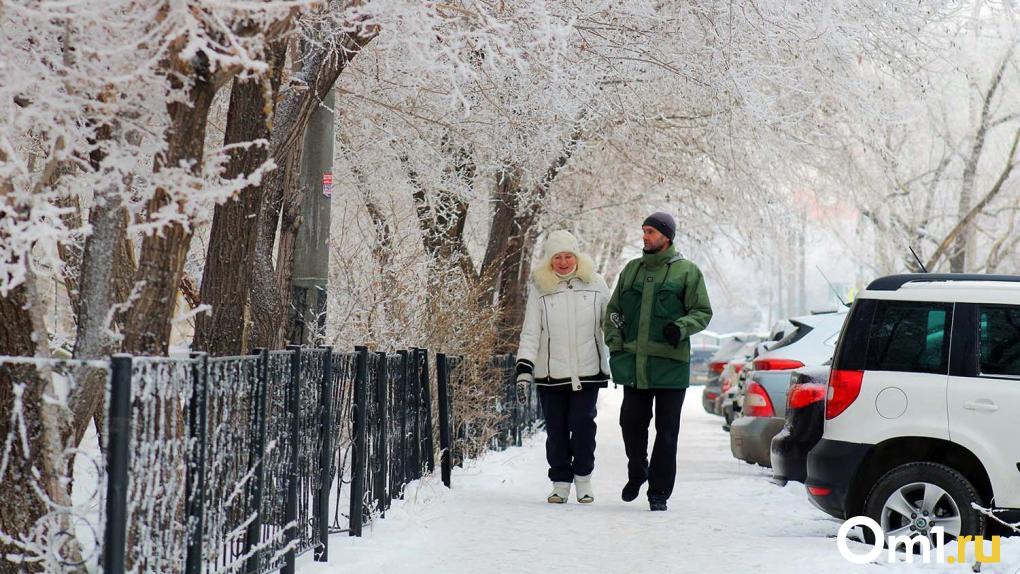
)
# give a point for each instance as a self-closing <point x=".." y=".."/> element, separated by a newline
<point x="660" y="300"/>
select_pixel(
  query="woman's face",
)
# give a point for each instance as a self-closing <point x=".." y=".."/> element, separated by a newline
<point x="564" y="263"/>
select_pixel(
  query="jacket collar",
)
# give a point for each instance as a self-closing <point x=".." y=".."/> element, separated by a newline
<point x="656" y="260"/>
<point x="548" y="282"/>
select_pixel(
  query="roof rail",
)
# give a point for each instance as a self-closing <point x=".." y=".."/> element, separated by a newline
<point x="894" y="282"/>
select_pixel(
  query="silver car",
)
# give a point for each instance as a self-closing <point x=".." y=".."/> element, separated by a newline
<point x="763" y="407"/>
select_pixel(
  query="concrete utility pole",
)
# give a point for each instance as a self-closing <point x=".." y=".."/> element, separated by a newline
<point x="311" y="251"/>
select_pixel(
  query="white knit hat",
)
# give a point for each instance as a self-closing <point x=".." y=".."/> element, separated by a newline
<point x="560" y="241"/>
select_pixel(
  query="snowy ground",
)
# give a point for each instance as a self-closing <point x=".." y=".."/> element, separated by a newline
<point x="724" y="516"/>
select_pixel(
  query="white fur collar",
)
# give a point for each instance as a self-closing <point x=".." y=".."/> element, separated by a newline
<point x="547" y="281"/>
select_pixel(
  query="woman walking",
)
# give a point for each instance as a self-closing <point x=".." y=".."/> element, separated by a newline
<point x="563" y="352"/>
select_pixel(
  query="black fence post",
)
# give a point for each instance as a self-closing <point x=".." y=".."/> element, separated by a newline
<point x="294" y="415"/>
<point x="414" y="392"/>
<point x="118" y="441"/>
<point x="325" y="455"/>
<point x="358" y="458"/>
<point x="382" y="450"/>
<point x="443" y="384"/>
<point x="426" y="389"/>
<point x="404" y="403"/>
<point x="195" y="481"/>
<point x="256" y="455"/>
<point x="519" y="414"/>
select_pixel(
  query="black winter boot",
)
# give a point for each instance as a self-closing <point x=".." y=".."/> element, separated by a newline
<point x="631" y="490"/>
<point x="657" y="504"/>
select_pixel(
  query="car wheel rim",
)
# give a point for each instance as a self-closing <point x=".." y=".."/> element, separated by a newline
<point x="918" y="507"/>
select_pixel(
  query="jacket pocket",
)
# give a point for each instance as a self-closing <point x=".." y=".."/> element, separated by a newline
<point x="669" y="301"/>
<point x="668" y="373"/>
<point x="624" y="368"/>
<point x="667" y="307"/>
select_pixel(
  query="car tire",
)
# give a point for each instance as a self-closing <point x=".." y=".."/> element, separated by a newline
<point x="954" y="496"/>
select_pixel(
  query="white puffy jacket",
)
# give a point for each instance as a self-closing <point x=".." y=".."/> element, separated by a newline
<point x="562" y="341"/>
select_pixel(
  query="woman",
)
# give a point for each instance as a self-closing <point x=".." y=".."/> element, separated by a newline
<point x="563" y="351"/>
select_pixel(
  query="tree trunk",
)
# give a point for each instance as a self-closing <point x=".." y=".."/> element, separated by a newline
<point x="965" y="238"/>
<point x="161" y="264"/>
<point x="512" y="235"/>
<point x="500" y="229"/>
<point x="269" y="282"/>
<point x="33" y="478"/>
<point x="102" y="258"/>
<point x="232" y="241"/>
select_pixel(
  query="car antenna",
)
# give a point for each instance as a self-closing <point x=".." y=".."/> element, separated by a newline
<point x="832" y="287"/>
<point x="918" y="259"/>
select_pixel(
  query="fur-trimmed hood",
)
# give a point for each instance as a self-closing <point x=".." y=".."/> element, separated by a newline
<point x="547" y="281"/>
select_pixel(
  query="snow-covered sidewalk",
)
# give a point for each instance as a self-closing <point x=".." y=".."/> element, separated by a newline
<point x="724" y="516"/>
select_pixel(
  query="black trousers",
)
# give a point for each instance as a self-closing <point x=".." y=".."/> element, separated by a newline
<point x="570" y="431"/>
<point x="635" y="415"/>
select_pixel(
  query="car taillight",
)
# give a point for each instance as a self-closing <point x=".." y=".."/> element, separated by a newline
<point x="757" y="402"/>
<point x="716" y="366"/>
<point x="819" y="491"/>
<point x="844" y="388"/>
<point x="777" y="364"/>
<point x="801" y="396"/>
<point x="711" y="396"/>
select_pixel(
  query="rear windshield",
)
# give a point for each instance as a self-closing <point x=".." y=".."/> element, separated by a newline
<point x="799" y="331"/>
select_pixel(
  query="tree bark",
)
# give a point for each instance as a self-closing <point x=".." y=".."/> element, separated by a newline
<point x="32" y="477"/>
<point x="269" y="282"/>
<point x="161" y="264"/>
<point x="512" y="237"/>
<point x="232" y="241"/>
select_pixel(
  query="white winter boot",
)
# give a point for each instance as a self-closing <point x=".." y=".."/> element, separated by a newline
<point x="582" y="487"/>
<point x="560" y="493"/>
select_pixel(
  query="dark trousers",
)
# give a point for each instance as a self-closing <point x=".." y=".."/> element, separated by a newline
<point x="570" y="431"/>
<point x="635" y="415"/>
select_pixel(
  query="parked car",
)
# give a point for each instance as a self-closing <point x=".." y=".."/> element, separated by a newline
<point x="730" y="381"/>
<point x="701" y="355"/>
<point x="922" y="405"/>
<point x="733" y="399"/>
<point x="710" y="398"/>
<point x="802" y="426"/>
<point x="763" y="410"/>
<point x="731" y="389"/>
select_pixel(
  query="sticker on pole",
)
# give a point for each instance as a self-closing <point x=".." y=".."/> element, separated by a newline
<point x="327" y="184"/>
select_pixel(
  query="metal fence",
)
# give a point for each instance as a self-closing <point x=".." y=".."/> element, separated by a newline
<point x="240" y="464"/>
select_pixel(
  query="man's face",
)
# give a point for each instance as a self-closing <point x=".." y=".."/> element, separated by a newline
<point x="654" y="241"/>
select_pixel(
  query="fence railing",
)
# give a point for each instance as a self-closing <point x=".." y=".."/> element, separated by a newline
<point x="238" y="464"/>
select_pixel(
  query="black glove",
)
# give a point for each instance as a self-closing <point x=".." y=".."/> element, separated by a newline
<point x="522" y="391"/>
<point x="673" y="334"/>
<point x="525" y="378"/>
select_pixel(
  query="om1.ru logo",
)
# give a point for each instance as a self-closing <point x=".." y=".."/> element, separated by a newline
<point x="910" y="544"/>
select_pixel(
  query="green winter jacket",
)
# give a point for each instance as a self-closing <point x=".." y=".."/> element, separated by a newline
<point x="651" y="292"/>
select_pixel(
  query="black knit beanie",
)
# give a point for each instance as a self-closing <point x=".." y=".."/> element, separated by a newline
<point x="663" y="222"/>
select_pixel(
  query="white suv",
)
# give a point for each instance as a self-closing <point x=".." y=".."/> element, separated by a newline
<point x="923" y="405"/>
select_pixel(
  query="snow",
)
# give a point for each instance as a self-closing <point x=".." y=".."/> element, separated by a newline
<point x="724" y="516"/>
<point x="89" y="497"/>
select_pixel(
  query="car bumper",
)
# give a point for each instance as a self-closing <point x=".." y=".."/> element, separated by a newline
<point x="791" y="446"/>
<point x="831" y="466"/>
<point x="708" y="398"/>
<point x="751" y="438"/>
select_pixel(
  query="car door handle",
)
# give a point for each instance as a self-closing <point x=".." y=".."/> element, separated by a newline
<point x="982" y="405"/>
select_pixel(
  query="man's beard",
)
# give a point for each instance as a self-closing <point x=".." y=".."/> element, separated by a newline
<point x="658" y="249"/>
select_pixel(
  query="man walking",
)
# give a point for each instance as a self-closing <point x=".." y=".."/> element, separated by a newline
<point x="660" y="300"/>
